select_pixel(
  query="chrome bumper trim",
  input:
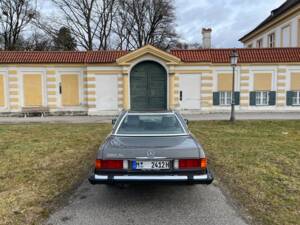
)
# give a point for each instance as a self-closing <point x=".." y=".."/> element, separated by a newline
<point x="200" y="177"/>
<point x="101" y="177"/>
<point x="125" y="177"/>
<point x="158" y="178"/>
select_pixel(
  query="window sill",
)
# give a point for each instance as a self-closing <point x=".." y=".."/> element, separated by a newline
<point x="262" y="105"/>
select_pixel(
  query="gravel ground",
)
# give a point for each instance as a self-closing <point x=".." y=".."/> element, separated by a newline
<point x="147" y="204"/>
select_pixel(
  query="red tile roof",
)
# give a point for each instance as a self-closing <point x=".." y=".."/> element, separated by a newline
<point x="264" y="55"/>
<point x="60" y="57"/>
<point x="104" y="56"/>
<point x="246" y="55"/>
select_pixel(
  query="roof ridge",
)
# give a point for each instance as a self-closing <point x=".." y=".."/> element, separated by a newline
<point x="216" y="55"/>
<point x="56" y="51"/>
<point x="242" y="49"/>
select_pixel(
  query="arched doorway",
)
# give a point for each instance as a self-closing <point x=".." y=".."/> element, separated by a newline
<point x="148" y="87"/>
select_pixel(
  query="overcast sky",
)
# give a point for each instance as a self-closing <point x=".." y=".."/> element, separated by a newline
<point x="229" y="19"/>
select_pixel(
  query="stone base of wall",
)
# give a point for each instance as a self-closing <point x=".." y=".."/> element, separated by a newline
<point x="184" y="112"/>
<point x="60" y="113"/>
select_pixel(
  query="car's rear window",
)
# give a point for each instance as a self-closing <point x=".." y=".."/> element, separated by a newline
<point x="164" y="124"/>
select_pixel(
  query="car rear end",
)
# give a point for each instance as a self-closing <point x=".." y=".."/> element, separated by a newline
<point x="151" y="148"/>
<point x="188" y="171"/>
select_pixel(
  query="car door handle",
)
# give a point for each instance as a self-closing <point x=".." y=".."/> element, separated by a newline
<point x="180" y="95"/>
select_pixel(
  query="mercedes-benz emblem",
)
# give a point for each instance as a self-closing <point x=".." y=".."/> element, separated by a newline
<point x="149" y="153"/>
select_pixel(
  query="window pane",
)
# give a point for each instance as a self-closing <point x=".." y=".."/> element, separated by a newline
<point x="150" y="124"/>
<point x="222" y="98"/>
<point x="294" y="100"/>
<point x="258" y="98"/>
<point x="228" y="98"/>
<point x="265" y="98"/>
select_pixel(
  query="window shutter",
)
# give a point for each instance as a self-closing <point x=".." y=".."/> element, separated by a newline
<point x="272" y="98"/>
<point x="216" y="98"/>
<point x="289" y="97"/>
<point x="252" y="98"/>
<point x="237" y="98"/>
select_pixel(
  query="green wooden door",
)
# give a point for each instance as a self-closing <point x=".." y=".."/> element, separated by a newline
<point x="148" y="87"/>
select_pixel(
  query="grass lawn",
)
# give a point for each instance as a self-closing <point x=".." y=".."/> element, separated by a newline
<point x="39" y="163"/>
<point x="258" y="162"/>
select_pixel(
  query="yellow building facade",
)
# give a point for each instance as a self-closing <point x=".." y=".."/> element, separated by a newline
<point x="191" y="81"/>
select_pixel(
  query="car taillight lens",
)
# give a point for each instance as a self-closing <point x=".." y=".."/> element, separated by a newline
<point x="192" y="163"/>
<point x="108" y="164"/>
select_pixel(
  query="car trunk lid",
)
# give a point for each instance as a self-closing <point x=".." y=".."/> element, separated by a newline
<point x="173" y="147"/>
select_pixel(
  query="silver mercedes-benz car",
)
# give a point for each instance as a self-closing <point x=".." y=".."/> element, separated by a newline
<point x="154" y="147"/>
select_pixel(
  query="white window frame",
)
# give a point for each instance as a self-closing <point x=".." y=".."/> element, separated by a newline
<point x="296" y="99"/>
<point x="225" y="98"/>
<point x="259" y="98"/>
<point x="271" y="40"/>
<point x="259" y="43"/>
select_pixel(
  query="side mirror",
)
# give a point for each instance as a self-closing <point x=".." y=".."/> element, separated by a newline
<point x="113" y="121"/>
<point x="186" y="121"/>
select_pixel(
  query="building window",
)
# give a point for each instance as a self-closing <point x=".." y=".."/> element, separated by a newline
<point x="286" y="36"/>
<point x="296" y="98"/>
<point x="271" y="40"/>
<point x="262" y="98"/>
<point x="250" y="46"/>
<point x="225" y="97"/>
<point x="259" y="43"/>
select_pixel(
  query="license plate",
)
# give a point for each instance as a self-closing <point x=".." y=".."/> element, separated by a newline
<point x="150" y="165"/>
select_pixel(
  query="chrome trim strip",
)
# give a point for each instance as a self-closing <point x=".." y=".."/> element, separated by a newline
<point x="158" y="178"/>
<point x="150" y="135"/>
<point x="200" y="177"/>
<point x="180" y="123"/>
<point x="121" y="121"/>
<point x="154" y="157"/>
<point x="150" y="114"/>
<point x="101" y="177"/>
<point x="150" y="177"/>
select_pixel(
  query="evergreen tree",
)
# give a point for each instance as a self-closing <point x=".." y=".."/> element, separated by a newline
<point x="64" y="40"/>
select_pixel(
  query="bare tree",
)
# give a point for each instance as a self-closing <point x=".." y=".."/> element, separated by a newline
<point x="37" y="41"/>
<point x="107" y="10"/>
<point x="15" y="15"/>
<point x="90" y="21"/>
<point x="145" y="22"/>
<point x="79" y="17"/>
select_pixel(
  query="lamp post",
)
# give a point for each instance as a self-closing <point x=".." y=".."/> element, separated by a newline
<point x="233" y="61"/>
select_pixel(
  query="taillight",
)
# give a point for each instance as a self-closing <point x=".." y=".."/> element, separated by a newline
<point x="192" y="163"/>
<point x="108" y="164"/>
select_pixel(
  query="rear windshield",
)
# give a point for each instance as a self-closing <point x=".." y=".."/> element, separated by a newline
<point x="167" y="124"/>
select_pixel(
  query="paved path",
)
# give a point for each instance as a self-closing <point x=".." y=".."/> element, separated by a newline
<point x="107" y="119"/>
<point x="147" y="205"/>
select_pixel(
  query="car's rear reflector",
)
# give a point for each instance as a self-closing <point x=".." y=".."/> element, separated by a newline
<point x="203" y="163"/>
<point x="108" y="164"/>
<point x="193" y="163"/>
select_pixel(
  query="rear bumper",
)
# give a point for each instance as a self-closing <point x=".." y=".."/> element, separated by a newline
<point x="127" y="179"/>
